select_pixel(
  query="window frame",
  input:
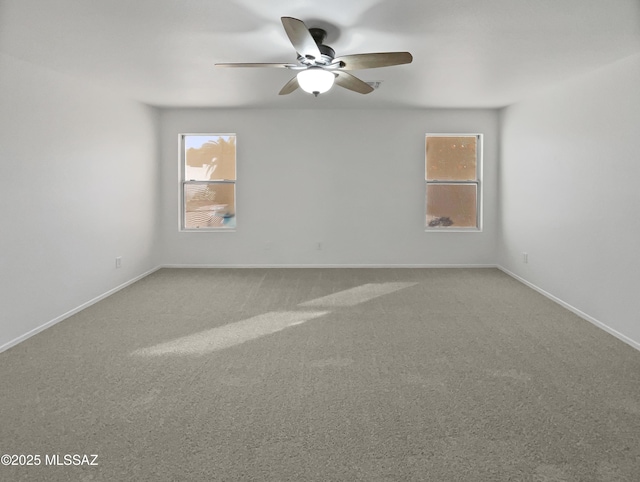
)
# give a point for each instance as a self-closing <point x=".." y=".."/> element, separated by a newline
<point x="477" y="182"/>
<point x="183" y="183"/>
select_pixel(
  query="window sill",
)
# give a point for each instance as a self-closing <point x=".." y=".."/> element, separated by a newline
<point x="452" y="230"/>
<point x="208" y="230"/>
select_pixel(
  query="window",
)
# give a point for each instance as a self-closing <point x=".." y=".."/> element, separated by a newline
<point x="208" y="189"/>
<point x="453" y="192"/>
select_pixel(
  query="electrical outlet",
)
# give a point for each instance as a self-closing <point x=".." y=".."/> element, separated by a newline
<point x="119" y="262"/>
<point x="525" y="258"/>
<point x="319" y="246"/>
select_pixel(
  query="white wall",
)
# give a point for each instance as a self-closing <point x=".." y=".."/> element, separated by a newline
<point x="351" y="179"/>
<point x="78" y="186"/>
<point x="570" y="197"/>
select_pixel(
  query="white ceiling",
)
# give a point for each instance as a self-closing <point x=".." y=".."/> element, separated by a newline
<point x="467" y="53"/>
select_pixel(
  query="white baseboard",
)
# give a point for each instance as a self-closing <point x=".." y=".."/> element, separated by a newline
<point x="562" y="303"/>
<point x="58" y="319"/>
<point x="575" y="310"/>
<point x="234" y="266"/>
<point x="72" y="312"/>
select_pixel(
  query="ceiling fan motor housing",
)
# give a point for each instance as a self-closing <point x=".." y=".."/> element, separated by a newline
<point x="328" y="54"/>
<point x="318" y="34"/>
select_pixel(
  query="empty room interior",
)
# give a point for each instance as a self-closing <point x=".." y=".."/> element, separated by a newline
<point x="425" y="266"/>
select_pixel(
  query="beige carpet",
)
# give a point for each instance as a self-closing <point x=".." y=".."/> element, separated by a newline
<point x="323" y="375"/>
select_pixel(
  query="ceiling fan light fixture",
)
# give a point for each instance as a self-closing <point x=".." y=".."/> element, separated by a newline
<point x="315" y="80"/>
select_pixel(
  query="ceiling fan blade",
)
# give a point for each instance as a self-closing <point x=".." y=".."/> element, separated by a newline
<point x="273" y="65"/>
<point x="351" y="82"/>
<point x="289" y="86"/>
<point x="375" y="60"/>
<point x="301" y="38"/>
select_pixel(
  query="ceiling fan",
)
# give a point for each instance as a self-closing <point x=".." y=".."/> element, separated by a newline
<point x="318" y="67"/>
